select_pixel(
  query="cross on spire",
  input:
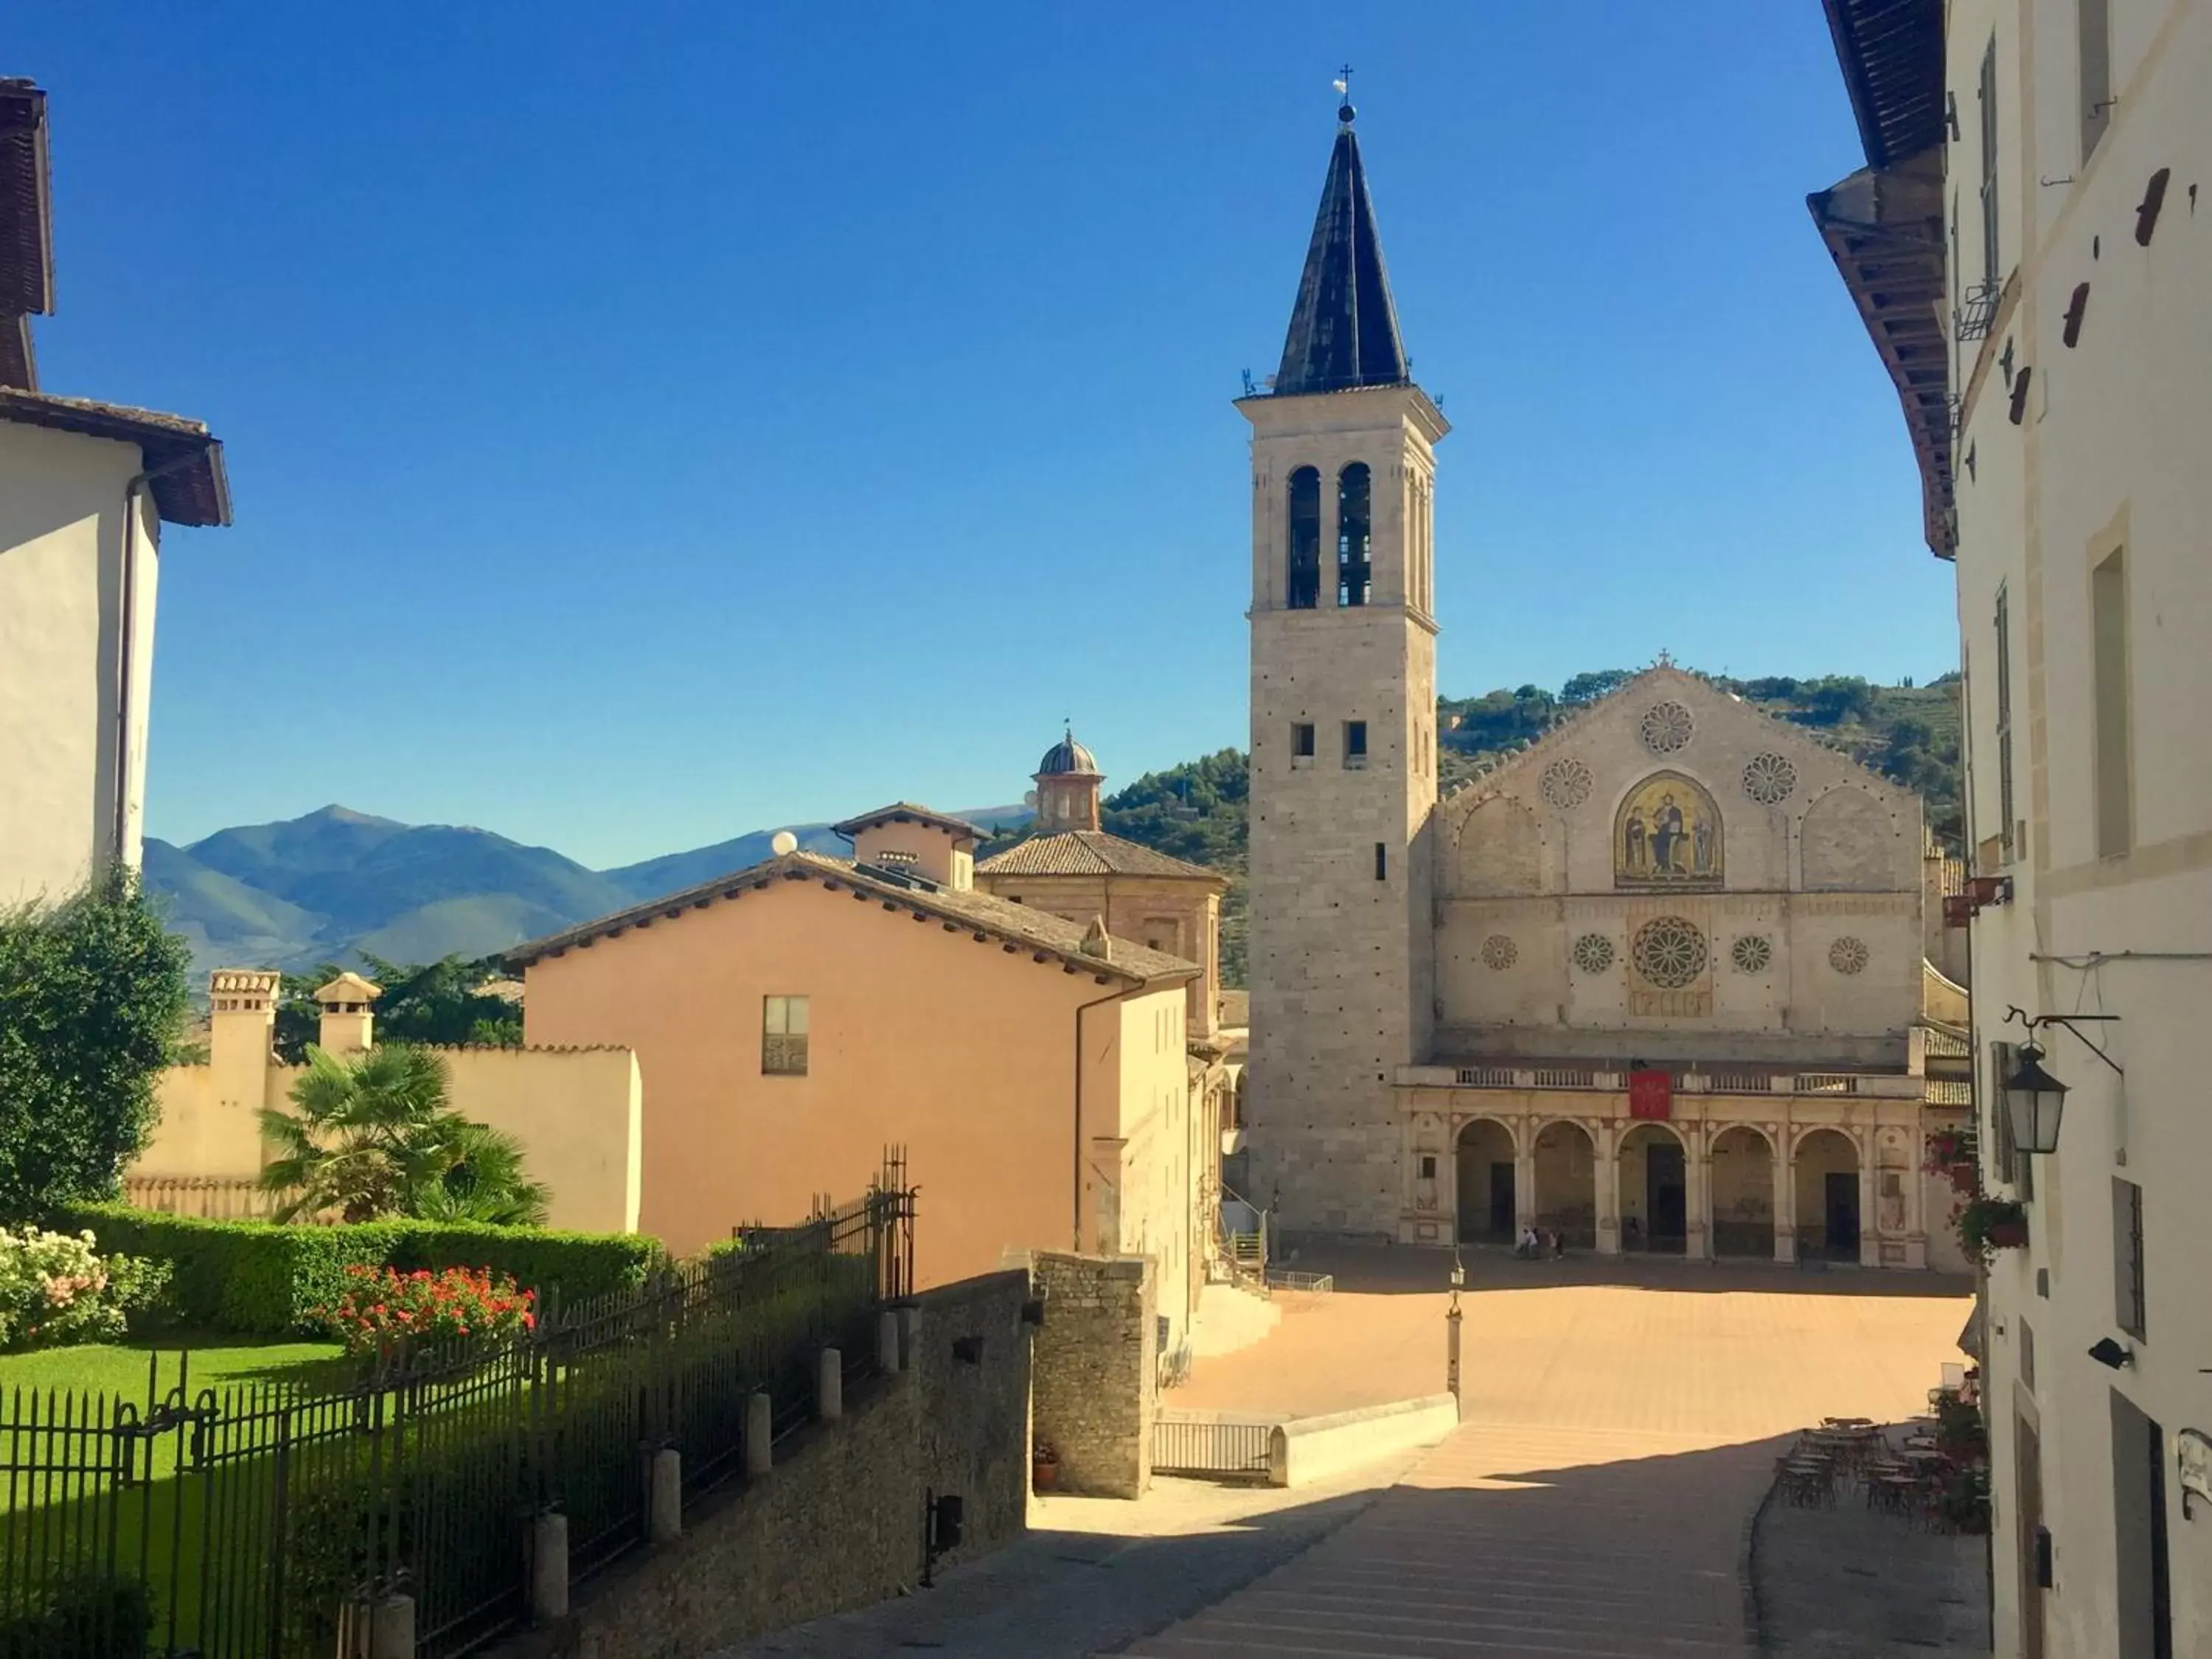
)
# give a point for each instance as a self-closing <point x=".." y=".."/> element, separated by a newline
<point x="1344" y="110"/>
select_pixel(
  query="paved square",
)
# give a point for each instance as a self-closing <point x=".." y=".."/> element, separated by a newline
<point x="1619" y="1421"/>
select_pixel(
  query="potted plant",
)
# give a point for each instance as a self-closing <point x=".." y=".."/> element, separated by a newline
<point x="1987" y="1223"/>
<point x="1044" y="1468"/>
<point x="1951" y="1154"/>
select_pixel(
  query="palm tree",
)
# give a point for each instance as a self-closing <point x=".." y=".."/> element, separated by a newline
<point x="373" y="1136"/>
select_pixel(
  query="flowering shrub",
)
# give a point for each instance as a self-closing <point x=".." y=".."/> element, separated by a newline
<point x="383" y="1307"/>
<point x="56" y="1288"/>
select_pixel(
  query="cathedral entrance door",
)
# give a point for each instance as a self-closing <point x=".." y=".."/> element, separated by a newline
<point x="1501" y="1201"/>
<point x="1486" y="1183"/>
<point x="1665" y="1196"/>
<point x="1842" y="1192"/>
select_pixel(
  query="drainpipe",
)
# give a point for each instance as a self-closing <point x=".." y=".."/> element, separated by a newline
<point x="1075" y="1221"/>
<point x="127" y="637"/>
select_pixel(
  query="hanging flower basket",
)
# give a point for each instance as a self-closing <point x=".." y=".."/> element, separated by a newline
<point x="1987" y="1223"/>
<point x="1950" y="1153"/>
<point x="1044" y="1468"/>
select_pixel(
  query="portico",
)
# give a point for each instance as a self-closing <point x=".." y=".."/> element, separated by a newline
<point x="1783" y="1166"/>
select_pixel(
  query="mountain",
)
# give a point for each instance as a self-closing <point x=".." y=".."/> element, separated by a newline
<point x="336" y="883"/>
<point x="323" y="887"/>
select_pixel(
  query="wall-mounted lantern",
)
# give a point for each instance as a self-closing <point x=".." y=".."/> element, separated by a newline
<point x="2036" y="1101"/>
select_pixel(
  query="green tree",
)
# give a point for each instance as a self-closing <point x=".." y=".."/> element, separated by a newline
<point x="373" y="1136"/>
<point x="1599" y="683"/>
<point x="92" y="1002"/>
<point x="439" y="1003"/>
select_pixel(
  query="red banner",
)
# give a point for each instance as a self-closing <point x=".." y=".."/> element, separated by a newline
<point x="1651" y="1094"/>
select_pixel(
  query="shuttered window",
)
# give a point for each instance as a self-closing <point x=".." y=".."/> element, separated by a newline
<point x="2128" y="1257"/>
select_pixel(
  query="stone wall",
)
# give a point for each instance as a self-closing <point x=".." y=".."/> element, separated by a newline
<point x="838" y="1523"/>
<point x="1095" y="1371"/>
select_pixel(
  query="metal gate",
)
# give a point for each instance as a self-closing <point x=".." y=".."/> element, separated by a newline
<point x="1212" y="1450"/>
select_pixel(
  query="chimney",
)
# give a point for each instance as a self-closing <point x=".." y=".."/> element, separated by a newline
<point x="242" y="1032"/>
<point x="1096" y="941"/>
<point x="347" y="1021"/>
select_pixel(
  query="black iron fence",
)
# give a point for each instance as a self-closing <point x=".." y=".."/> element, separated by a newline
<point x="242" y="1522"/>
<point x="1212" y="1450"/>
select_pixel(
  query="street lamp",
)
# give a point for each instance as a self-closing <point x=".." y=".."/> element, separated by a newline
<point x="2035" y="1101"/>
<point x="1451" y="1327"/>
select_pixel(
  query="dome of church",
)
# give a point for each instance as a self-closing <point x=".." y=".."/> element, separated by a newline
<point x="1064" y="757"/>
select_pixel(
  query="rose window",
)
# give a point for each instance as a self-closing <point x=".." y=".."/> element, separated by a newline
<point x="1592" y="953"/>
<point x="1751" y="953"/>
<point x="1499" y="951"/>
<point x="1769" y="779"/>
<point x="1848" y="955"/>
<point x="1566" y="784"/>
<point x="1665" y="728"/>
<point x="1669" y="952"/>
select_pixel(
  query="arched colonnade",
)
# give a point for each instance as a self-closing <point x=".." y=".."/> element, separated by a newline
<point x="1667" y="1187"/>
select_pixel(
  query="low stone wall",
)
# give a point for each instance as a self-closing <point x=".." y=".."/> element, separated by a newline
<point x="1097" y="1371"/>
<point x="837" y="1524"/>
<point x="1310" y="1449"/>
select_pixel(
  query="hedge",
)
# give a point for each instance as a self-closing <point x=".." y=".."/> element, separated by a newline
<point x="258" y="1277"/>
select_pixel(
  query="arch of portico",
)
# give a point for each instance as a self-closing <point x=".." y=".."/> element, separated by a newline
<point x="1488" y="1157"/>
<point x="1741" y="1179"/>
<point x="1654" y="1189"/>
<point x="1563" y="1168"/>
<point x="1828" y="1185"/>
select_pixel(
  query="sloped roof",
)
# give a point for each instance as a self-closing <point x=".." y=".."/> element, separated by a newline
<point x="1091" y="853"/>
<point x="905" y="812"/>
<point x="1343" y="325"/>
<point x="26" y="229"/>
<point x="192" y="489"/>
<point x="1015" y="925"/>
<point x="1892" y="55"/>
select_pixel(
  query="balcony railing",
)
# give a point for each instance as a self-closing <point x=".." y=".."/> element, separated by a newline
<point x="1884" y="1084"/>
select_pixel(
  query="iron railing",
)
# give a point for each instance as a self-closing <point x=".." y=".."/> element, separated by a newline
<point x="1217" y="1451"/>
<point x="237" y="1523"/>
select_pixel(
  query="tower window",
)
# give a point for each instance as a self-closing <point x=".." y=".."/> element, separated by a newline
<point x="1354" y="573"/>
<point x="1382" y="862"/>
<point x="1301" y="740"/>
<point x="2108" y="651"/>
<point x="783" y="1037"/>
<point x="1303" y="589"/>
<point x="1355" y="745"/>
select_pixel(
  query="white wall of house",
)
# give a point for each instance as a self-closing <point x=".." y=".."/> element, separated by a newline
<point x="61" y="611"/>
<point x="2110" y="841"/>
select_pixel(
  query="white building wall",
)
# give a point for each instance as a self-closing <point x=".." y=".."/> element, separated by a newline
<point x="61" y="616"/>
<point x="2108" y="454"/>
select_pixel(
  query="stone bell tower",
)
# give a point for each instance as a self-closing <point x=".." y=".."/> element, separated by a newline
<point x="1343" y="767"/>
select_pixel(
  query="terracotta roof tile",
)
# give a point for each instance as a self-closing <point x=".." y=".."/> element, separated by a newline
<point x="196" y="490"/>
<point x="1090" y="853"/>
<point x="1000" y="919"/>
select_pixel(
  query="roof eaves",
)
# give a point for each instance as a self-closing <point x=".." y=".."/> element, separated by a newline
<point x="907" y="811"/>
<point x="26" y="221"/>
<point x="189" y="481"/>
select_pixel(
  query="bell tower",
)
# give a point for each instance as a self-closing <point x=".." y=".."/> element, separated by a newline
<point x="1343" y="757"/>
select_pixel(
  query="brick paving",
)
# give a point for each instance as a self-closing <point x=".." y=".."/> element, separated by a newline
<point x="1622" y="1422"/>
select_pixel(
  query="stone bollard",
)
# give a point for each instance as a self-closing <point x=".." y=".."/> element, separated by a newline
<point x="829" y="1385"/>
<point x="667" y="1510"/>
<point x="392" y="1627"/>
<point x="549" y="1570"/>
<point x="910" y="1324"/>
<point x="760" y="1434"/>
<point x="887" y="1343"/>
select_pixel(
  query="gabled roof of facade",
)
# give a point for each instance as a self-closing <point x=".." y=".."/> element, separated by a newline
<point x="1344" y="326"/>
<point x="905" y="812"/>
<point x="1017" y="927"/>
<point x="1787" y="733"/>
<point x="192" y="487"/>
<point x="1092" y="853"/>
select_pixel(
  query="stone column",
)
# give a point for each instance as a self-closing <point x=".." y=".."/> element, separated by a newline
<point x="1524" y="1178"/>
<point x="665" y="1511"/>
<point x="1609" y="1190"/>
<point x="1697" y="1179"/>
<point x="1870" y="1216"/>
<point x="829" y="1385"/>
<point x="1785" y="1198"/>
<point x="760" y="1433"/>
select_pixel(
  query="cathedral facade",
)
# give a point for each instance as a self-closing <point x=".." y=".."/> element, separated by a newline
<point x="1657" y="981"/>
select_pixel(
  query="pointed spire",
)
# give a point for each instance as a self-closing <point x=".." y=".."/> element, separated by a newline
<point x="1344" y="329"/>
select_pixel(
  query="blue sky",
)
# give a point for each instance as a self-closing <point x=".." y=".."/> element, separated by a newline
<point x="651" y="422"/>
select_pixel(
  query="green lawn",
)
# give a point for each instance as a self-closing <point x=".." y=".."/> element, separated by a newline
<point x="122" y="1368"/>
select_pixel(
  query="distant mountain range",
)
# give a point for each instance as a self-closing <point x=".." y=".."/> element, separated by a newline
<point x="336" y="883"/>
